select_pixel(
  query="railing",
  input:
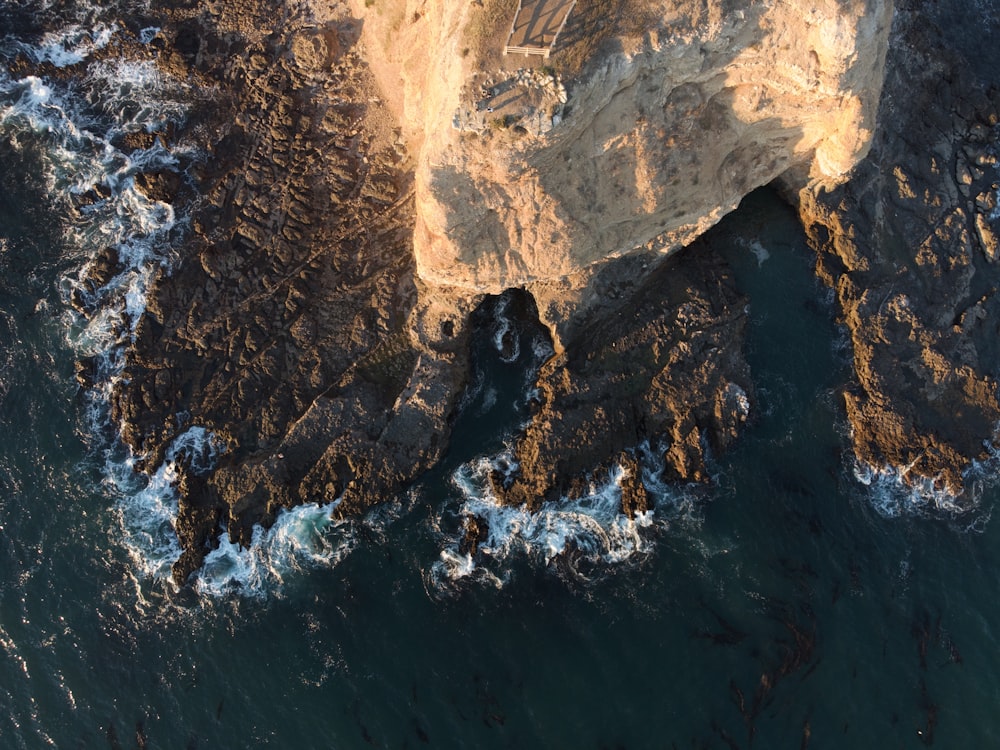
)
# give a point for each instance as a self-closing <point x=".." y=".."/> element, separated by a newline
<point x="513" y="25"/>
<point x="562" y="26"/>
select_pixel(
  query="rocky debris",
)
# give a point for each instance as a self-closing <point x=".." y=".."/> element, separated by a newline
<point x="909" y="245"/>
<point x="526" y="101"/>
<point x="666" y="367"/>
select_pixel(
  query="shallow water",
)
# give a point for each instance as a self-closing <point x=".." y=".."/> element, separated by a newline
<point x="780" y="607"/>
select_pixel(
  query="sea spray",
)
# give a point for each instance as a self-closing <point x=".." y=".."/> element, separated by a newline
<point x="302" y="538"/>
<point x="94" y="182"/>
<point x="68" y="46"/>
<point x="506" y="340"/>
<point x="589" y="530"/>
<point x="893" y="492"/>
<point x="73" y="123"/>
<point x="147" y="505"/>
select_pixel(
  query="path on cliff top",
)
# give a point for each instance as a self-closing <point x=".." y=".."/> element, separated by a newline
<point x="538" y="22"/>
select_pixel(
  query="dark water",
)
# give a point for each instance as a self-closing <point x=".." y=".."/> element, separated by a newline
<point x="788" y="606"/>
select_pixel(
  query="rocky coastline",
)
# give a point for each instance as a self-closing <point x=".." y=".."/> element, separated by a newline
<point x="909" y="246"/>
<point x="298" y="329"/>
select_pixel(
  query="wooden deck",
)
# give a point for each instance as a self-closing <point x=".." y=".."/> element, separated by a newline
<point x="536" y="26"/>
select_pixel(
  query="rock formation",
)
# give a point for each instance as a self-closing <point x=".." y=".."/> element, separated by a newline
<point x="910" y="246"/>
<point x="684" y="109"/>
<point x="320" y="321"/>
<point x="665" y="366"/>
<point x="284" y="329"/>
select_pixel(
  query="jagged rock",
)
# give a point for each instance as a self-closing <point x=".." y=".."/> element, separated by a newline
<point x="283" y="312"/>
<point x="907" y="245"/>
<point x="158" y="186"/>
<point x="666" y="367"/>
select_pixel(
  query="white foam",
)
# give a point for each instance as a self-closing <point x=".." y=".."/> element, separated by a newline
<point x="760" y="252"/>
<point x="70" y="45"/>
<point x="135" y="95"/>
<point x="302" y="538"/>
<point x="147" y="505"/>
<point x="591" y="527"/>
<point x="489" y="400"/>
<point x="148" y="34"/>
<point x="505" y="333"/>
<point x="894" y="492"/>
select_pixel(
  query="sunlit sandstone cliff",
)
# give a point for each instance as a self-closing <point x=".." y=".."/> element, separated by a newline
<point x="649" y="144"/>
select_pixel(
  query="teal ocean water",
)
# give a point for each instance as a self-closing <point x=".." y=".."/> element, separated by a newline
<point x="796" y="602"/>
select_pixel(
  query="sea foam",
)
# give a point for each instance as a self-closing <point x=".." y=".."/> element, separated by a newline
<point x="894" y="493"/>
<point x="68" y="46"/>
<point x="148" y="505"/>
<point x="588" y="530"/>
<point x="73" y="126"/>
<point x="302" y="538"/>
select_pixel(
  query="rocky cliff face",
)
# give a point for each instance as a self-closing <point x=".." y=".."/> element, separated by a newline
<point x="575" y="191"/>
<point x="520" y="181"/>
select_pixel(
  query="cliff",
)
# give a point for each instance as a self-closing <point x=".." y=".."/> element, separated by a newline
<point x="909" y="245"/>
<point x="525" y="177"/>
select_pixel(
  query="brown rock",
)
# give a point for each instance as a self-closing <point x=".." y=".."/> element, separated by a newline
<point x="914" y="294"/>
<point x="665" y="367"/>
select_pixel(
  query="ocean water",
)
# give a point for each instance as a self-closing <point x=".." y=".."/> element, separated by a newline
<point x="798" y="601"/>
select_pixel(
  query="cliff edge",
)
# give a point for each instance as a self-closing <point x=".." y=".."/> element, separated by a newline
<point x="530" y="170"/>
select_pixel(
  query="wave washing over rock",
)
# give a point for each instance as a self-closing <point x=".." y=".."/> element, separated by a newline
<point x="97" y="110"/>
<point x="909" y="245"/>
<point x="580" y="535"/>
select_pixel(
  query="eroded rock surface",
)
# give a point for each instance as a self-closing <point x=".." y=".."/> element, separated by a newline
<point x="909" y="244"/>
<point x="669" y="124"/>
<point x="664" y="367"/>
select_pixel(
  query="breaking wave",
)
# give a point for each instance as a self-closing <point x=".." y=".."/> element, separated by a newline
<point x="578" y="535"/>
<point x="68" y="46"/>
<point x="894" y="493"/>
<point x="147" y="505"/>
<point x="76" y="126"/>
<point x="302" y="538"/>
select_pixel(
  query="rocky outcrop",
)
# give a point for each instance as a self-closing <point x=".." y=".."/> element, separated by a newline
<point x="327" y="351"/>
<point x="909" y="245"/>
<point x="664" y="368"/>
<point x="284" y="329"/>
